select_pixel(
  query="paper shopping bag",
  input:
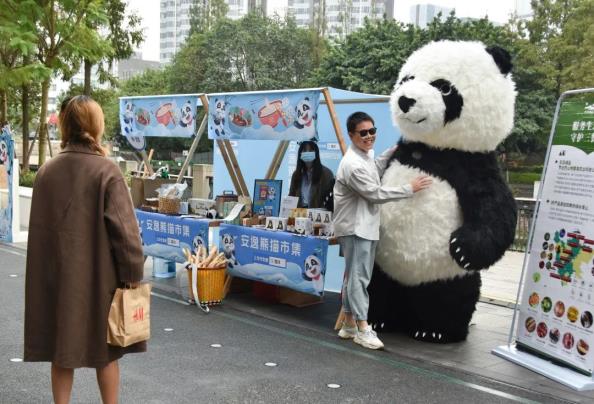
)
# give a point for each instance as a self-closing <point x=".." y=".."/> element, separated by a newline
<point x="129" y="316"/>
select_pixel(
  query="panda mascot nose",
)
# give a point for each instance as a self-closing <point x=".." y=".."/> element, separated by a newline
<point x="405" y="103"/>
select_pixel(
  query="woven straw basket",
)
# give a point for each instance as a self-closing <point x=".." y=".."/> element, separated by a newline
<point x="169" y="205"/>
<point x="211" y="284"/>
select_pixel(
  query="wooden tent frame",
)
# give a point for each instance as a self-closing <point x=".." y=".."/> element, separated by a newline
<point x="230" y="159"/>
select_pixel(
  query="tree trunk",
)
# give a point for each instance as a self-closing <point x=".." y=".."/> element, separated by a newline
<point x="25" y="123"/>
<point x="3" y="108"/>
<point x="41" y="146"/>
<point x="87" y="88"/>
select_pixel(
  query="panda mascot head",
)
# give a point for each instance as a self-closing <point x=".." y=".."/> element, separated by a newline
<point x="456" y="95"/>
<point x="453" y="103"/>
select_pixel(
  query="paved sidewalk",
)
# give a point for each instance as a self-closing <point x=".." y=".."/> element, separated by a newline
<point x="501" y="281"/>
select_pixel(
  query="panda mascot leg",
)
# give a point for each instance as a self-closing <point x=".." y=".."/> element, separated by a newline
<point x="433" y="312"/>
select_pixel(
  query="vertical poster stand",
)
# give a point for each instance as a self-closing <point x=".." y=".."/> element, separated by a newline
<point x="10" y="217"/>
<point x="540" y="360"/>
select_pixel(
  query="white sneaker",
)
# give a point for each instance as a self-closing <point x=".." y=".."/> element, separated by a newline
<point x="347" y="332"/>
<point x="368" y="339"/>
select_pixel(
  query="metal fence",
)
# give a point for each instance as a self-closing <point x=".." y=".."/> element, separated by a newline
<point x="525" y="212"/>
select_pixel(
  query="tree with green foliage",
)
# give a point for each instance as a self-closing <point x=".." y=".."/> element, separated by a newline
<point x="123" y="34"/>
<point x="204" y="14"/>
<point x="19" y="68"/>
<point x="562" y="32"/>
<point x="252" y="53"/>
<point x="64" y="36"/>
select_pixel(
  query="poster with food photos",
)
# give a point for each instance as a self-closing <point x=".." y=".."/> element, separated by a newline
<point x="162" y="116"/>
<point x="274" y="115"/>
<point x="557" y="304"/>
<point x="275" y="257"/>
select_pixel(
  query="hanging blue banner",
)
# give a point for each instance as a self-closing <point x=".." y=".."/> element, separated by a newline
<point x="276" y="258"/>
<point x="165" y="236"/>
<point x="6" y="196"/>
<point x="166" y="116"/>
<point x="291" y="115"/>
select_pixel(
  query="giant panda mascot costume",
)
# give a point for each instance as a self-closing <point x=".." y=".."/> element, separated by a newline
<point x="453" y="103"/>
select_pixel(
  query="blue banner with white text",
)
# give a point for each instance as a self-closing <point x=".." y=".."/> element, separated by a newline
<point x="277" y="258"/>
<point x="165" y="236"/>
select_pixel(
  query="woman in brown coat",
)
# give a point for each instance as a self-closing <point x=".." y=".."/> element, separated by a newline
<point x="83" y="243"/>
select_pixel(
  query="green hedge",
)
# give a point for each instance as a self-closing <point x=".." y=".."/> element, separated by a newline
<point x="27" y="178"/>
<point x="523" y="177"/>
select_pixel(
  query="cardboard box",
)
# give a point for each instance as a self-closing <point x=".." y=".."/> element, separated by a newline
<point x="276" y="223"/>
<point x="303" y="226"/>
<point x="142" y="188"/>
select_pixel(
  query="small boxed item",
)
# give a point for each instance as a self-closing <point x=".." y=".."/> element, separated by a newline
<point x="319" y="215"/>
<point x="226" y="196"/>
<point x="298" y="212"/>
<point x="276" y="223"/>
<point x="303" y="226"/>
<point x="200" y="206"/>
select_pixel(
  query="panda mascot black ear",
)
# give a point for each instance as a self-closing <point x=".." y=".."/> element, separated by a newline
<point x="502" y="58"/>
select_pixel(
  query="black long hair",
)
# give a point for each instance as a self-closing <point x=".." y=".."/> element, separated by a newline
<point x="316" y="164"/>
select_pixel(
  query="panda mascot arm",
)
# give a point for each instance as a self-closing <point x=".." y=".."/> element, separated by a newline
<point x="489" y="219"/>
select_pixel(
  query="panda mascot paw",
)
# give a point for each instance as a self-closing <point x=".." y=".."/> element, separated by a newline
<point x="453" y="103"/>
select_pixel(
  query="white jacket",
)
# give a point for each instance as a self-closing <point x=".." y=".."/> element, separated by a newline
<point x="358" y="192"/>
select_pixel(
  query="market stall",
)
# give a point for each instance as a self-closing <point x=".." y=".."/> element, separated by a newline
<point x="254" y="156"/>
<point x="280" y="245"/>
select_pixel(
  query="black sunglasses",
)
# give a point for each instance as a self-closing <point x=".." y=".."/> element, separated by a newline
<point x="365" y="132"/>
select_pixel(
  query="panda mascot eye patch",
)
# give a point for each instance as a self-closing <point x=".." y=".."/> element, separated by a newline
<point x="453" y="103"/>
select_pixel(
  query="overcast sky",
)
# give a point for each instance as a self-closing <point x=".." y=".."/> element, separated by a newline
<point x="497" y="10"/>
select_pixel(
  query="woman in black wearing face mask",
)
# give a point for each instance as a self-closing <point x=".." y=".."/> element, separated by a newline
<point x="312" y="182"/>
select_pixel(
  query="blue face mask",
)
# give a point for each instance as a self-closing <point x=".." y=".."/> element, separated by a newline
<point x="307" y="156"/>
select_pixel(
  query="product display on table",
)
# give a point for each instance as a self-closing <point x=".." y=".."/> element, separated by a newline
<point x="453" y="103"/>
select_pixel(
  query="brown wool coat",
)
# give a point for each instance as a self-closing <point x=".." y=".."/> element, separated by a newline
<point x="83" y="242"/>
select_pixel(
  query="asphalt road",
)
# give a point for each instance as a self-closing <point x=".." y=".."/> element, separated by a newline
<point x="181" y="366"/>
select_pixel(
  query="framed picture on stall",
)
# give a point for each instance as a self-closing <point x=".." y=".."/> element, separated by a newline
<point x="267" y="197"/>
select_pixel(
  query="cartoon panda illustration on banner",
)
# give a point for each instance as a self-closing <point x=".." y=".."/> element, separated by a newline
<point x="187" y="115"/>
<point x="228" y="244"/>
<point x="313" y="270"/>
<point x="304" y="115"/>
<point x="453" y="103"/>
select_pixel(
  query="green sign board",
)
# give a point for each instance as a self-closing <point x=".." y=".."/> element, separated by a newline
<point x="575" y="125"/>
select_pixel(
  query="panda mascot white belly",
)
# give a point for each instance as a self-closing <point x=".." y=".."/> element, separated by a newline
<point x="453" y="103"/>
<point x="420" y="227"/>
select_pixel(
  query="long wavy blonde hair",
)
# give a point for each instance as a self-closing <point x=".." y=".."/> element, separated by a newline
<point x="81" y="121"/>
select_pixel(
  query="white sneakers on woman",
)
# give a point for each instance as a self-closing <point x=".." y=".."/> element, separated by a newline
<point x="366" y="338"/>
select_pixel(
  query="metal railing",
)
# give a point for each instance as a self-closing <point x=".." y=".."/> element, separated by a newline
<point x="525" y="212"/>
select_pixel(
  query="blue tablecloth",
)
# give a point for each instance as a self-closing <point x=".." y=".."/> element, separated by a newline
<point x="165" y="236"/>
<point x="277" y="258"/>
